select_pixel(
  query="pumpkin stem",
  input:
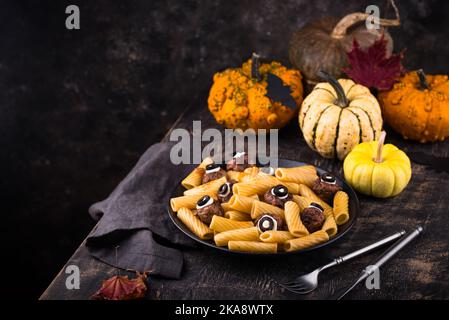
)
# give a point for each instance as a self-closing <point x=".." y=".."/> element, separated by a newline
<point x="380" y="146"/>
<point x="422" y="80"/>
<point x="255" y="66"/>
<point x="348" y="21"/>
<point x="342" y="100"/>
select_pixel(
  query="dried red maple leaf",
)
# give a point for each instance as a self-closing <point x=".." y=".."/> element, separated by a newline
<point x="122" y="288"/>
<point x="372" y="68"/>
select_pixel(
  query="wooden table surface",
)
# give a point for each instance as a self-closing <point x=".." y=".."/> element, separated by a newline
<point x="420" y="271"/>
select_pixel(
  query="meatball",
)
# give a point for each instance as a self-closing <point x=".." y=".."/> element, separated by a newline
<point x="213" y="172"/>
<point x="239" y="162"/>
<point x="269" y="221"/>
<point x="225" y="191"/>
<point x="312" y="217"/>
<point x="207" y="207"/>
<point x="277" y="196"/>
<point x="326" y="187"/>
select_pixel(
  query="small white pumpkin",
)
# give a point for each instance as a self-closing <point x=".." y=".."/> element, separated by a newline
<point x="338" y="115"/>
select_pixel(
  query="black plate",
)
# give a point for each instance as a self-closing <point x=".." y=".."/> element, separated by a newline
<point x="342" y="230"/>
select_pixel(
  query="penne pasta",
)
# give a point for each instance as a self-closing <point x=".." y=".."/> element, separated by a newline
<point x="248" y="234"/>
<point x="261" y="184"/>
<point x="225" y="206"/>
<point x="236" y="227"/>
<point x="245" y="178"/>
<point x="252" y="246"/>
<point x="254" y="196"/>
<point x="252" y="171"/>
<point x="330" y="226"/>
<point x="220" y="224"/>
<point x="293" y="219"/>
<point x="308" y="241"/>
<point x="341" y="210"/>
<point x="305" y="191"/>
<point x="194" y="224"/>
<point x="184" y="202"/>
<point x="301" y="175"/>
<point x="292" y="187"/>
<point x="237" y="215"/>
<point x="275" y="236"/>
<point x="241" y="203"/>
<point x="302" y="202"/>
<point x="195" y="177"/>
<point x="208" y="188"/>
<point x="259" y="208"/>
<point x="249" y="174"/>
<point x="328" y="211"/>
<point x="250" y="187"/>
<point x="235" y="175"/>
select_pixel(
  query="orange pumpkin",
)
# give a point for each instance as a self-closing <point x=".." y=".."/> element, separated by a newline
<point x="238" y="97"/>
<point x="418" y="106"/>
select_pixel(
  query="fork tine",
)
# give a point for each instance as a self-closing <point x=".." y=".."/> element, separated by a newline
<point x="301" y="290"/>
<point x="298" y="288"/>
<point x="298" y="291"/>
<point x="290" y="282"/>
<point x="294" y="286"/>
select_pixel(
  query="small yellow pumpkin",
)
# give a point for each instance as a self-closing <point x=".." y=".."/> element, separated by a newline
<point x="378" y="170"/>
<point x="239" y="97"/>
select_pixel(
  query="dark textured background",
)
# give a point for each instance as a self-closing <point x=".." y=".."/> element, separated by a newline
<point x="79" y="107"/>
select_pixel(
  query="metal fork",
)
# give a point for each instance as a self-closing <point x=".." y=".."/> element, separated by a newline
<point x="308" y="282"/>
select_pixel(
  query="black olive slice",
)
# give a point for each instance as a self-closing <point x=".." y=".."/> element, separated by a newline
<point x="316" y="206"/>
<point x="204" y="201"/>
<point x="280" y="191"/>
<point x="328" y="178"/>
<point x="266" y="223"/>
<point x="213" y="167"/>
<point x="224" y="190"/>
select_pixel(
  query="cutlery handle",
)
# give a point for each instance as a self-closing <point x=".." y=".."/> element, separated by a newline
<point x="396" y="248"/>
<point x="370" y="247"/>
<point x="366" y="249"/>
<point x="384" y="258"/>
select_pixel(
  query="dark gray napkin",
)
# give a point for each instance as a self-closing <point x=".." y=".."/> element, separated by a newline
<point x="135" y="212"/>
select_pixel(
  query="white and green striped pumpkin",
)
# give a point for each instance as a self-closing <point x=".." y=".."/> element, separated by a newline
<point x="338" y="115"/>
